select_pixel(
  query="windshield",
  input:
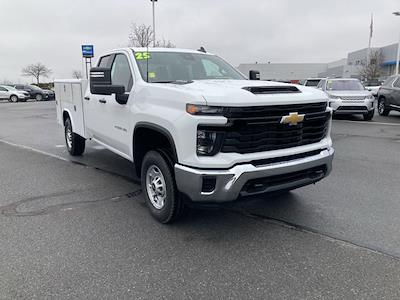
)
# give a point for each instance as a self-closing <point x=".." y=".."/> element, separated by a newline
<point x="344" y="85"/>
<point x="312" y="82"/>
<point x="10" y="88"/>
<point x="34" y="87"/>
<point x="178" y="66"/>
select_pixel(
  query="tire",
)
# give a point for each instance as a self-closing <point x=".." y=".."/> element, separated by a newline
<point x="75" y="143"/>
<point x="382" y="108"/>
<point x="39" y="97"/>
<point x="164" y="201"/>
<point x="368" y="116"/>
<point x="13" y="99"/>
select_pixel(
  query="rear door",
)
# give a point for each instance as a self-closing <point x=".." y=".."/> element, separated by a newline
<point x="94" y="107"/>
<point x="3" y="93"/>
<point x="117" y="117"/>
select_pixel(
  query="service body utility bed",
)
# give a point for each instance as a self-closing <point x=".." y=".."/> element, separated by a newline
<point x="70" y="94"/>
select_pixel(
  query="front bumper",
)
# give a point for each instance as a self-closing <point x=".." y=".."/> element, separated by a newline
<point x="351" y="106"/>
<point x="231" y="183"/>
<point x="23" y="97"/>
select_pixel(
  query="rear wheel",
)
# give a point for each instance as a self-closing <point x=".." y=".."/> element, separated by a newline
<point x="368" y="116"/>
<point x="39" y="97"/>
<point x="158" y="184"/>
<point x="75" y="143"/>
<point x="13" y="98"/>
<point x="382" y="109"/>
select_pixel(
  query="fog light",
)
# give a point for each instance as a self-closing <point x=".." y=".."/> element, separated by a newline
<point x="209" y="183"/>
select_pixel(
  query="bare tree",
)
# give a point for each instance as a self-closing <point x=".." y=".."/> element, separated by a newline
<point x="7" y="82"/>
<point x="165" y="44"/>
<point x="36" y="70"/>
<point x="77" y="74"/>
<point x="372" y="70"/>
<point x="140" y="36"/>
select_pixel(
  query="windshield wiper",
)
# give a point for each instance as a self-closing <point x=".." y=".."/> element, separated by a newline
<point x="173" y="81"/>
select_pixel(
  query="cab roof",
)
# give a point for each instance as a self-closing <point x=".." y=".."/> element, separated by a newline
<point x="160" y="49"/>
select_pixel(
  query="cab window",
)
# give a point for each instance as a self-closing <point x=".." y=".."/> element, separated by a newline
<point x="103" y="62"/>
<point x="121" y="72"/>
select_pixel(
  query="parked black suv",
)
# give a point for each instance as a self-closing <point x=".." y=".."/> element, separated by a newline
<point x="36" y="92"/>
<point x="389" y="95"/>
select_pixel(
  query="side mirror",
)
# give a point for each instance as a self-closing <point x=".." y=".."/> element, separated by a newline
<point x="254" y="75"/>
<point x="100" y="84"/>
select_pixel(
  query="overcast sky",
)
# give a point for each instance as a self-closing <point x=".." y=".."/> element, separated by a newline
<point x="51" y="31"/>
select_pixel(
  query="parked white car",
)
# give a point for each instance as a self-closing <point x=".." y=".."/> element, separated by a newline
<point x="12" y="94"/>
<point x="196" y="129"/>
<point x="348" y="96"/>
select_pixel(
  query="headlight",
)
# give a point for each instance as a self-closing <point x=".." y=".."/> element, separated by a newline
<point x="334" y="97"/>
<point x="208" y="142"/>
<point x="370" y="97"/>
<point x="195" y="109"/>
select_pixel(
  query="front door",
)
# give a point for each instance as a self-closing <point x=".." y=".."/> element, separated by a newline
<point x="396" y="94"/>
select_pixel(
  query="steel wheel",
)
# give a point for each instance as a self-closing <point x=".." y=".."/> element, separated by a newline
<point x="68" y="137"/>
<point x="156" y="187"/>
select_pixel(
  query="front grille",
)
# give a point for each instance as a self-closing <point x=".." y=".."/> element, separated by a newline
<point x="260" y="185"/>
<point x="256" y="129"/>
<point x="352" y="97"/>
<point x="358" y="108"/>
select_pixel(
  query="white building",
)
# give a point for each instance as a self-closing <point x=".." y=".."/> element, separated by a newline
<point x="346" y="67"/>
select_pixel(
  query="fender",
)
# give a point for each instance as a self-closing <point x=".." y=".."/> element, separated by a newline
<point x="159" y="129"/>
<point x="70" y="117"/>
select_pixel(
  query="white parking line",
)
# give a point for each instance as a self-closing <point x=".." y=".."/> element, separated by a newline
<point x="33" y="149"/>
<point x="369" y="122"/>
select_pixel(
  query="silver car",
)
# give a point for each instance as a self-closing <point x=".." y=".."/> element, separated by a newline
<point x="12" y="94"/>
<point x="348" y="96"/>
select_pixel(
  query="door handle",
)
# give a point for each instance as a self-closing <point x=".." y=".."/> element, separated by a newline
<point x="87" y="98"/>
<point x="102" y="101"/>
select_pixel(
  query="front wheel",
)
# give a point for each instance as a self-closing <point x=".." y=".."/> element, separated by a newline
<point x="75" y="143"/>
<point x="159" y="188"/>
<point x="13" y="99"/>
<point x="368" y="116"/>
<point x="39" y="97"/>
<point x="382" y="109"/>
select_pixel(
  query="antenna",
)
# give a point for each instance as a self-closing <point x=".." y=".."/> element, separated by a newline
<point x="147" y="64"/>
<point x="202" y="49"/>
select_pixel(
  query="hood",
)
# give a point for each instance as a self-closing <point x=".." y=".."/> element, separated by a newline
<point x="363" y="93"/>
<point x="251" y="92"/>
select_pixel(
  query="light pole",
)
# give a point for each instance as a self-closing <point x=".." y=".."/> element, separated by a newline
<point x="154" y="22"/>
<point x="397" y="14"/>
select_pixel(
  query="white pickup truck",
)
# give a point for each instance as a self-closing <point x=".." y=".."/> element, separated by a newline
<point x="196" y="129"/>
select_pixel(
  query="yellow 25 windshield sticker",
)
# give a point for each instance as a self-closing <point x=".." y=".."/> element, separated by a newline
<point x="142" y="55"/>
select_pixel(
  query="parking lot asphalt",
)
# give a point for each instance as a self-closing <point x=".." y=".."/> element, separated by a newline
<point x="81" y="230"/>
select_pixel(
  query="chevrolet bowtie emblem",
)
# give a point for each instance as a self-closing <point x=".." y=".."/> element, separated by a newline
<point x="292" y="119"/>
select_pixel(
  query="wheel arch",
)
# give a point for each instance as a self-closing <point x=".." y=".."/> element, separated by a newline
<point x="157" y="137"/>
<point x="67" y="114"/>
